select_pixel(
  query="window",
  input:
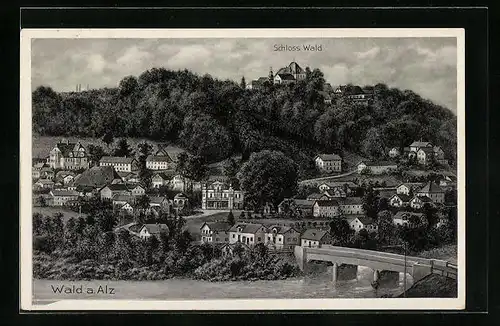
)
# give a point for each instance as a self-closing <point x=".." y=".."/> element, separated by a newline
<point x="258" y="239"/>
<point x="233" y="236"/>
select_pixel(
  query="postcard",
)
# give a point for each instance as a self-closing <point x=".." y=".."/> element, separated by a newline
<point x="242" y="169"/>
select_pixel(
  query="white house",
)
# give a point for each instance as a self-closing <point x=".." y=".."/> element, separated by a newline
<point x="159" y="162"/>
<point x="404" y="218"/>
<point x="433" y="191"/>
<point x="120" y="164"/>
<point x="149" y="230"/>
<point x="63" y="197"/>
<point x="418" y="202"/>
<point x="326" y="208"/>
<point x="328" y="162"/>
<point x="351" y="205"/>
<point x="315" y="238"/>
<point x="416" y="145"/>
<point x="107" y="192"/>
<point x="399" y="200"/>
<point x="220" y="195"/>
<point x="282" y="237"/>
<point x="394" y="152"/>
<point x="215" y="232"/>
<point x="127" y="208"/>
<point x="425" y="155"/>
<point x="68" y="156"/>
<point x="379" y="167"/>
<point x="246" y="233"/>
<point x="408" y="188"/>
<point x="160" y="180"/>
<point x="138" y="190"/>
<point x="363" y="222"/>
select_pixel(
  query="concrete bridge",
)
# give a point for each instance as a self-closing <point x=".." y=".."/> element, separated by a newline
<point x="388" y="265"/>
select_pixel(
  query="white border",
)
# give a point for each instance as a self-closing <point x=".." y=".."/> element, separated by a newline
<point x="234" y="304"/>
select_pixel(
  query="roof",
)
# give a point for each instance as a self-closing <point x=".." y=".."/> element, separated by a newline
<point x="365" y="220"/>
<point x="286" y="76"/>
<point x="378" y="163"/>
<point x="427" y="150"/>
<point x="403" y="197"/>
<point x="314" y="196"/>
<point x="162" y="175"/>
<point x="386" y="193"/>
<point x="39" y="165"/>
<point x="327" y="203"/>
<point x="411" y="185"/>
<point x="159" y="158"/>
<point x="261" y="80"/>
<point x="431" y="187"/>
<point x="420" y="144"/>
<point x="424" y="199"/>
<point x="121" y="197"/>
<point x="97" y="176"/>
<point x="180" y="195"/>
<point x="403" y="215"/>
<point x="314" y="234"/>
<point x="329" y="157"/>
<point x="117" y="187"/>
<point x="156" y="199"/>
<point x="340" y="184"/>
<point x="117" y="159"/>
<point x="155" y="228"/>
<point x="352" y="201"/>
<point x="217" y="226"/>
<point x="63" y="192"/>
<point x="280" y="229"/>
<point x="66" y="148"/>
<point x="437" y="149"/>
<point x="246" y="227"/>
<point x="292" y="68"/>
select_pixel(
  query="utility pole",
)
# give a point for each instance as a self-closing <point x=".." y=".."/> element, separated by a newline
<point x="404" y="275"/>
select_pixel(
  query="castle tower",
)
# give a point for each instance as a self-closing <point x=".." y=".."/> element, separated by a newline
<point x="271" y="75"/>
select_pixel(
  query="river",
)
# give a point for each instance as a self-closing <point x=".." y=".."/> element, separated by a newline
<point x="319" y="286"/>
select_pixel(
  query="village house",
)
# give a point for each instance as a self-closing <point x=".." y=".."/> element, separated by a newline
<point x="418" y="202"/>
<point x="351" y="205"/>
<point x="44" y="184"/>
<point x="433" y="191"/>
<point x="179" y="183"/>
<point x="137" y="190"/>
<point x="425" y="155"/>
<point x="181" y="201"/>
<point x="408" y="188"/>
<point x="107" y="192"/>
<point x="290" y="74"/>
<point x="439" y="155"/>
<point x="127" y="208"/>
<point x="163" y="203"/>
<point x="326" y="208"/>
<point x="315" y="238"/>
<point x="47" y="173"/>
<point x="129" y="177"/>
<point x="328" y="162"/>
<point x="282" y="237"/>
<point x="404" y="218"/>
<point x="162" y="179"/>
<point x="63" y="197"/>
<point x="302" y="207"/>
<point x="96" y="177"/>
<point x="149" y="230"/>
<point x="68" y="156"/>
<point x="121" y="199"/>
<point x="354" y="93"/>
<point x="449" y="182"/>
<point x="220" y="195"/>
<point x="228" y="249"/>
<point x="379" y="167"/>
<point x="249" y="234"/>
<point x="120" y="164"/>
<point x="327" y="99"/>
<point x="159" y="162"/>
<point x="399" y="200"/>
<point x="337" y="192"/>
<point x="269" y="208"/>
<point x="37" y="168"/>
<point x="394" y="152"/>
<point x="215" y="232"/>
<point x="65" y="177"/>
<point x="346" y="187"/>
<point x="313" y="197"/>
<point x="416" y="145"/>
<point x="363" y="222"/>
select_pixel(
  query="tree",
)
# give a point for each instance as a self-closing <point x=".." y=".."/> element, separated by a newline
<point x="230" y="218"/>
<point x="123" y="149"/>
<point x="268" y="176"/>
<point x="145" y="175"/>
<point x="370" y="203"/>
<point x="430" y="215"/>
<point x="386" y="228"/>
<point x="96" y="152"/>
<point x="231" y="168"/>
<point x="243" y="83"/>
<point x="108" y="138"/>
<point x="128" y="85"/>
<point x="41" y="201"/>
<point x="106" y="220"/>
<point x="143" y="202"/>
<point x="341" y="231"/>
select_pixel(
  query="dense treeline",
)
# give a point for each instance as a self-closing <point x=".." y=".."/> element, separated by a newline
<point x="215" y="118"/>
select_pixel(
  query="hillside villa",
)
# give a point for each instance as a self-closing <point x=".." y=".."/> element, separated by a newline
<point x="120" y="164"/>
<point x="220" y="195"/>
<point x="282" y="237"/>
<point x="249" y="234"/>
<point x="215" y="232"/>
<point x="68" y="156"/>
<point x="328" y="162"/>
<point x="148" y="230"/>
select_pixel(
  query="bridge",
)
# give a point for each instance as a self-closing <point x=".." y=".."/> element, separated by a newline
<point x="382" y="263"/>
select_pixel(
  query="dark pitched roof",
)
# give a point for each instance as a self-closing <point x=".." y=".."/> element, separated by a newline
<point x="424" y="199"/>
<point x="314" y="196"/>
<point x="117" y="187"/>
<point x="116" y="159"/>
<point x="67" y="148"/>
<point x="314" y="234"/>
<point x="159" y="158"/>
<point x="162" y="175"/>
<point x="280" y="229"/>
<point x="217" y="226"/>
<point x="365" y="220"/>
<point x="386" y="193"/>
<point x="420" y="144"/>
<point x="180" y="195"/>
<point x="403" y="197"/>
<point x="427" y="150"/>
<point x="327" y="203"/>
<point x="156" y="228"/>
<point x="352" y="201"/>
<point x="329" y="157"/>
<point x="63" y="192"/>
<point x="286" y="76"/>
<point x="378" y="163"/>
<point x="120" y="197"/>
<point x="431" y="187"/>
<point x="156" y="199"/>
<point x="245" y="227"/>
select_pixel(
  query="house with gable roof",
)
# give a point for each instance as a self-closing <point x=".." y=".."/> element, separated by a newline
<point x="220" y="195"/>
<point x="328" y="162"/>
<point x="119" y="163"/>
<point x="359" y="223"/>
<point x="433" y="191"/>
<point x="418" y="202"/>
<point x="68" y="156"/>
<point x="282" y="237"/>
<point x="108" y="191"/>
<point x="399" y="200"/>
<point x="315" y="238"/>
<point x="149" y="230"/>
<point x="326" y="208"/>
<point x="247" y="233"/>
<point x="290" y="74"/>
<point x="160" y="162"/>
<point x="215" y="232"/>
<point x="378" y="167"/>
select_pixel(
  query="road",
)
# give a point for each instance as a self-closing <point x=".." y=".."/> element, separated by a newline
<point x="333" y="177"/>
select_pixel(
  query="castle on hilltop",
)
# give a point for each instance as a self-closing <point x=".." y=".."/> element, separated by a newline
<point x="286" y="75"/>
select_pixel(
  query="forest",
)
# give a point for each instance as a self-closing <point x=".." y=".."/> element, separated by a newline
<point x="216" y="118"/>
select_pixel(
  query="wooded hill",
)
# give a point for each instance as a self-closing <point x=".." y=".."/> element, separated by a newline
<point x="215" y="118"/>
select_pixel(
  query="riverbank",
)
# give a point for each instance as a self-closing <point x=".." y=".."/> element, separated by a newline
<point x="432" y="286"/>
<point x="447" y="252"/>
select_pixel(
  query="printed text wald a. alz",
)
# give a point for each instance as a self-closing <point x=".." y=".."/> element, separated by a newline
<point x="303" y="47"/>
<point x="74" y="289"/>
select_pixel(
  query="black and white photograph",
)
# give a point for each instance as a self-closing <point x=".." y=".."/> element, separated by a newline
<point x="241" y="169"/>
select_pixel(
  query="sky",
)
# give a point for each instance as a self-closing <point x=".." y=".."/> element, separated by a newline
<point x="426" y="66"/>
